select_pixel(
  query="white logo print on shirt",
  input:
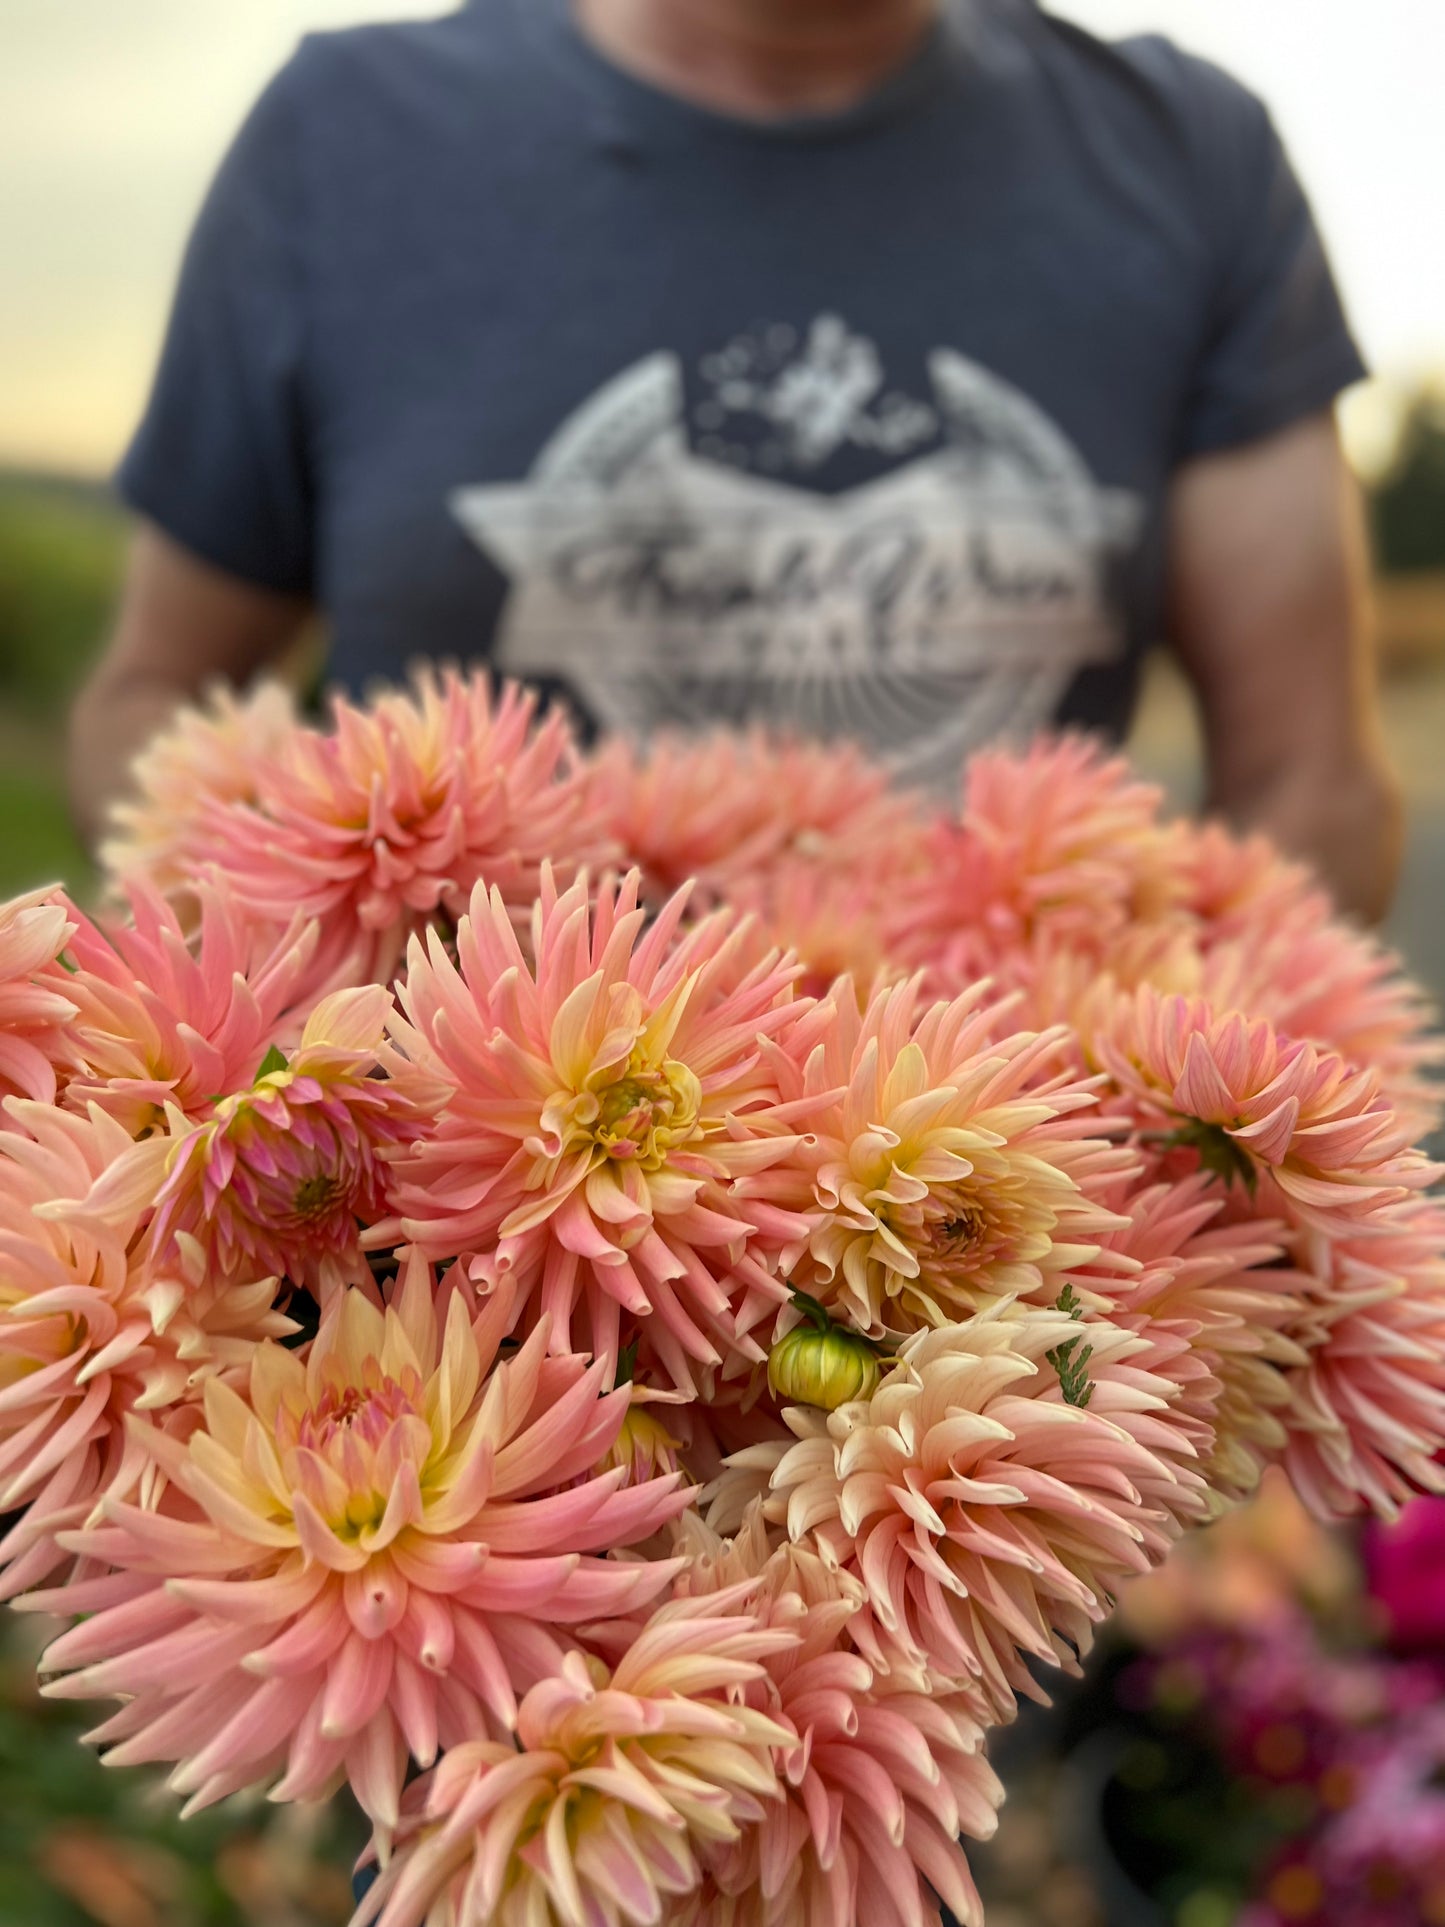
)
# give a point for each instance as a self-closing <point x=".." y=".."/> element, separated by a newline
<point x="948" y="602"/>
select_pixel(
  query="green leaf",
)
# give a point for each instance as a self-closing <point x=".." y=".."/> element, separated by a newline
<point x="273" y="1061"/>
<point x="1072" y="1365"/>
<point x="1217" y="1151"/>
<point x="626" y="1365"/>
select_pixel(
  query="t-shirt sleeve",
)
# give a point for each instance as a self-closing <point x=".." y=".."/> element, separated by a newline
<point x="1277" y="345"/>
<point x="220" y="460"/>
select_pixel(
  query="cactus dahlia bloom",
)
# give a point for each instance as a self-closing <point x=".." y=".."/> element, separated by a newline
<point x="394" y="815"/>
<point x="35" y="1005"/>
<point x="365" y="1557"/>
<point x="616" y="1786"/>
<point x="1062" y="838"/>
<point x="990" y="1496"/>
<point x="589" y="1116"/>
<point x="945" y="1165"/>
<point x="830" y="917"/>
<point x="209" y="754"/>
<point x="166" y="1019"/>
<point x="76" y="1348"/>
<point x="278" y="1176"/>
<point x="878" y="1782"/>
<point x="1366" y="1417"/>
<point x="717" y="810"/>
<point x="1253" y="1104"/>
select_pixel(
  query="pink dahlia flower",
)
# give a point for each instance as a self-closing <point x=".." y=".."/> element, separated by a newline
<point x="36" y="1009"/>
<point x="877" y="1783"/>
<point x="1366" y="1417"/>
<point x="990" y="1495"/>
<point x="1208" y="1297"/>
<point x="77" y="1347"/>
<point x="366" y="1557"/>
<point x="616" y="1786"/>
<point x="391" y="818"/>
<point x="1252" y="1104"/>
<point x="719" y="810"/>
<point x="281" y="1176"/>
<point x="211" y="754"/>
<point x="1060" y="838"/>
<point x="166" y="1019"/>
<point x="833" y="919"/>
<point x="589" y="1117"/>
<point x="945" y="1164"/>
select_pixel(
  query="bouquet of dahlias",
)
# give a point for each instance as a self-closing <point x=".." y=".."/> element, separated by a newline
<point x="626" y="1309"/>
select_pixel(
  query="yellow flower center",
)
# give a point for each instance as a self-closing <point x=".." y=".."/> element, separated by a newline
<point x="648" y="1112"/>
<point x="316" y="1195"/>
<point x="351" y="1429"/>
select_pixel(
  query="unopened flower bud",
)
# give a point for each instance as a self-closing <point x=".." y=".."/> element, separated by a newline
<point x="823" y="1368"/>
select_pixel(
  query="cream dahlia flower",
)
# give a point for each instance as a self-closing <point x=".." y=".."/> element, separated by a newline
<point x="364" y="1558"/>
<point x="617" y="1785"/>
<point x="589" y="1118"/>
<point x="990" y="1496"/>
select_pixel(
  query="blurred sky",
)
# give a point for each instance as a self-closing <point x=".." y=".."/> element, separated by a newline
<point x="114" y="112"/>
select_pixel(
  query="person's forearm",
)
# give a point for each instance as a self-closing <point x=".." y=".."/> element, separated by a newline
<point x="1348" y="823"/>
<point x="109" y="725"/>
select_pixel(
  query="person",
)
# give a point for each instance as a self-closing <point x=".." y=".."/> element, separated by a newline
<point x="900" y="369"/>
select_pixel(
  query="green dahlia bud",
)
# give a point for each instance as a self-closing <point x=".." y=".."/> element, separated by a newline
<point x="823" y="1368"/>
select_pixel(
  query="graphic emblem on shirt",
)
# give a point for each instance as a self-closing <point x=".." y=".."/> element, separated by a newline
<point x="674" y="578"/>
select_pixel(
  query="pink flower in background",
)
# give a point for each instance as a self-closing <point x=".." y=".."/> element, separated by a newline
<point x="723" y="809"/>
<point x="1405" y="1562"/>
<point x="362" y="1559"/>
<point x="945" y="1164"/>
<point x="617" y="1785"/>
<point x="394" y="815"/>
<point x="832" y="918"/>
<point x="35" y="1006"/>
<point x="988" y="1495"/>
<point x="167" y="1016"/>
<point x="589" y="1116"/>
<point x="213" y="753"/>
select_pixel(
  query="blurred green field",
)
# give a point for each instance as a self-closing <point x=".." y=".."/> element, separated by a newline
<point x="61" y="546"/>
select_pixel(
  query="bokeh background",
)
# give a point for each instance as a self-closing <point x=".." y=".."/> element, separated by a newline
<point x="113" y="114"/>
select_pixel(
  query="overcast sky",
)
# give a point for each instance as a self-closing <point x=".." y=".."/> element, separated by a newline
<point x="114" y="112"/>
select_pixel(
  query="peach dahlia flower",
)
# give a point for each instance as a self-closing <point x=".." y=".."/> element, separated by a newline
<point x="618" y="1784"/>
<point x="391" y="817"/>
<point x="878" y="1782"/>
<point x="365" y="1557"/>
<point x="589" y="1117"/>
<point x="178" y="1016"/>
<point x="1255" y="1104"/>
<point x="718" y="810"/>
<point x="35" y="1006"/>
<point x="945" y="1164"/>
<point x="211" y="754"/>
<point x="89" y="1331"/>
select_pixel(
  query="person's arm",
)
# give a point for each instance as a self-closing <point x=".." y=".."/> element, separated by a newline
<point x="1269" y="614"/>
<point x="182" y="624"/>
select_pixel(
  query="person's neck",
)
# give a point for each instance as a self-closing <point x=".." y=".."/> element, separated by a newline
<point x="759" y="59"/>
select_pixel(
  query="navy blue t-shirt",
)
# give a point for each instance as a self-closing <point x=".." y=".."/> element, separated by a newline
<point x="860" y="424"/>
